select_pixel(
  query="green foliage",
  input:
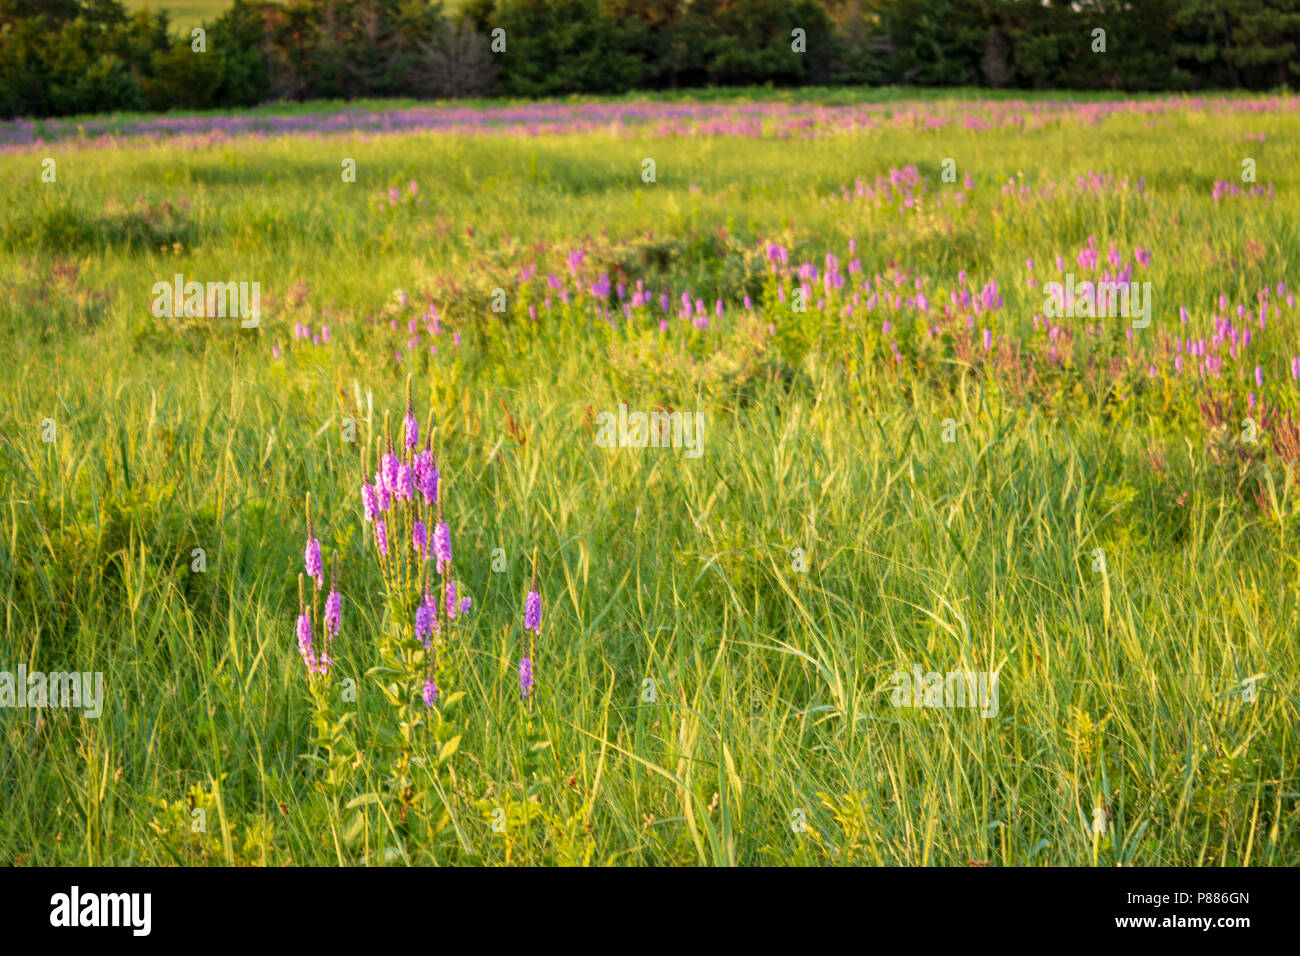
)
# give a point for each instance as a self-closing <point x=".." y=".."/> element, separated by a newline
<point x="563" y="46"/>
<point x="78" y="56"/>
<point x="195" y="831"/>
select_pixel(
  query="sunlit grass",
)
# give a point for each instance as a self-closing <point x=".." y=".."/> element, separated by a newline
<point x="1120" y="689"/>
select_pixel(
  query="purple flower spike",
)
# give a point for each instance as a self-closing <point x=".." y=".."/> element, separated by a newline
<point x="381" y="537"/>
<point x="451" y="600"/>
<point x="412" y="430"/>
<point x="405" y="483"/>
<point x="430" y="694"/>
<point x="465" y="604"/>
<point x="533" y="612"/>
<point x="442" y="545"/>
<point x="424" y="622"/>
<point x="525" y="678"/>
<point x="426" y="476"/>
<point x="370" y="501"/>
<point x="313" y="562"/>
<point x="388" y="467"/>
<point x="304" y="642"/>
<point x="333" y="613"/>
<point x="420" y="538"/>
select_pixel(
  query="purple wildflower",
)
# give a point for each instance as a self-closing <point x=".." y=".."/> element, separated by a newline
<point x="370" y="501"/>
<point x="424" y="622"/>
<point x="404" y="487"/>
<point x="412" y="429"/>
<point x="525" y="678"/>
<point x="304" y="642"/>
<point x="388" y="467"/>
<point x="533" y="612"/>
<point x="313" y="562"/>
<point x="333" y="613"/>
<point x="381" y="537"/>
<point x="420" y="538"/>
<point x="442" y="545"/>
<point x="430" y="694"/>
<point x="426" y="476"/>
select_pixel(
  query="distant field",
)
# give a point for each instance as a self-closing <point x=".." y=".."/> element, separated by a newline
<point x="189" y="13"/>
<point x="184" y="13"/>
<point x="909" y="470"/>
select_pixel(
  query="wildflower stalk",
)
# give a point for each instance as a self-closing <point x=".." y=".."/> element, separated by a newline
<point x="533" y="632"/>
<point x="533" y="741"/>
<point x="329" y="744"/>
<point x="408" y="500"/>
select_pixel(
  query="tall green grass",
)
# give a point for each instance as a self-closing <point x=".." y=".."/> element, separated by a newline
<point x="1120" y="690"/>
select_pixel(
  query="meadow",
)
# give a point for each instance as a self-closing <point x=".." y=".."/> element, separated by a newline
<point x="184" y="14"/>
<point x="908" y="464"/>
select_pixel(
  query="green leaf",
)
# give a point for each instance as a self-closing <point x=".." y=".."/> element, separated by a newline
<point x="352" y="828"/>
<point x="449" y="748"/>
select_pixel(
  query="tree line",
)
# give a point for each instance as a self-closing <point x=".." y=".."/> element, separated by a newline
<point x="60" y="57"/>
